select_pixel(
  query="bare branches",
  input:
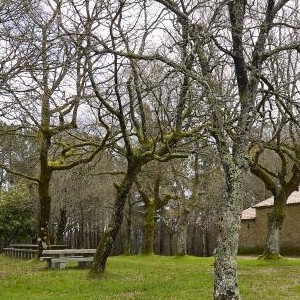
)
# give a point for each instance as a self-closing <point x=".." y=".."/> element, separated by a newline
<point x="172" y="6"/>
<point x="21" y="174"/>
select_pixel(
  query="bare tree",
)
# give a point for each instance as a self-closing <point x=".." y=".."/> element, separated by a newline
<point x="239" y="31"/>
<point x="279" y="137"/>
<point x="149" y="185"/>
<point x="144" y="103"/>
<point x="82" y="199"/>
<point x="155" y="80"/>
<point x="45" y="97"/>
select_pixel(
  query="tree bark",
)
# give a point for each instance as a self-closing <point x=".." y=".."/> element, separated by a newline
<point x="129" y="227"/>
<point x="275" y="221"/>
<point x="61" y="226"/>
<point x="44" y="185"/>
<point x="281" y="188"/>
<point x="149" y="226"/>
<point x="44" y="214"/>
<point x="181" y="233"/>
<point x="152" y="203"/>
<point x="181" y="238"/>
<point x="109" y="237"/>
<point x="204" y="241"/>
<point x="226" y="283"/>
<point x="273" y="239"/>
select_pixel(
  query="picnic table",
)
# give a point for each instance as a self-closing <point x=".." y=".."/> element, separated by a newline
<point x="26" y="251"/>
<point x="58" y="259"/>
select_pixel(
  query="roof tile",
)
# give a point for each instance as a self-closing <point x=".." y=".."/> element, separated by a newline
<point x="250" y="213"/>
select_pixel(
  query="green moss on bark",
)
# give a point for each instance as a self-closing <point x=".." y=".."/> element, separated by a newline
<point x="270" y="256"/>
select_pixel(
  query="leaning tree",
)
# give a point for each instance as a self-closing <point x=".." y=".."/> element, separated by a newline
<point x="143" y="101"/>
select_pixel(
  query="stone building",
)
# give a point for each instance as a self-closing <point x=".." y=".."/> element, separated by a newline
<point x="254" y="226"/>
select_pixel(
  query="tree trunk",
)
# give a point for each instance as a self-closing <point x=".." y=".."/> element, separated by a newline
<point x="44" y="214"/>
<point x="44" y="182"/>
<point x="226" y="283"/>
<point x="204" y="241"/>
<point x="181" y="233"/>
<point x="81" y="223"/>
<point x="281" y="189"/>
<point x="275" y="220"/>
<point x="181" y="238"/>
<point x="149" y="226"/>
<point x="161" y="236"/>
<point x="128" y="229"/>
<point x="272" y="243"/>
<point x="61" y="226"/>
<point x="109" y="237"/>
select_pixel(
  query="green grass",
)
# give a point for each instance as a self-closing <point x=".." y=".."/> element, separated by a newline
<point x="147" y="277"/>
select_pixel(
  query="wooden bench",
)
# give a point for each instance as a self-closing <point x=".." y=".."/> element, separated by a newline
<point x="60" y="263"/>
<point x="60" y="258"/>
<point x="35" y="246"/>
<point x="26" y="251"/>
<point x="20" y="253"/>
<point x="24" y="246"/>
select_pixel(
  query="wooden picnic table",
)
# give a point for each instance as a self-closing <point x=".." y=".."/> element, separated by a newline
<point x="59" y="258"/>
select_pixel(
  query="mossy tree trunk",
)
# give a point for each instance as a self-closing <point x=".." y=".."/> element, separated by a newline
<point x="150" y="210"/>
<point x="281" y="184"/>
<point x="272" y="247"/>
<point x="226" y="283"/>
<point x="129" y="224"/>
<point x="61" y="226"/>
<point x="181" y="234"/>
<point x="106" y="244"/>
<point x="44" y="217"/>
<point x="44" y="211"/>
<point x="153" y="202"/>
<point x="149" y="220"/>
<point x="275" y="221"/>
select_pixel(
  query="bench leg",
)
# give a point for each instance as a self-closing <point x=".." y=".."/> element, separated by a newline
<point x="84" y="264"/>
<point x="55" y="265"/>
<point x="61" y="265"/>
<point x="58" y="265"/>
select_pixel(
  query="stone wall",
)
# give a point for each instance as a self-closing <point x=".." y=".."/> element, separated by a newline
<point x="254" y="231"/>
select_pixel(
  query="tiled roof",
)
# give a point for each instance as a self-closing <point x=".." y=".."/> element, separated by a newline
<point x="293" y="198"/>
<point x="250" y="213"/>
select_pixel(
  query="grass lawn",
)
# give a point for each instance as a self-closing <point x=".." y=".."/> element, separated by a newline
<point x="146" y="277"/>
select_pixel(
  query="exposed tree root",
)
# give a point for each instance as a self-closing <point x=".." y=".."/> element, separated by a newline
<point x="270" y="256"/>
